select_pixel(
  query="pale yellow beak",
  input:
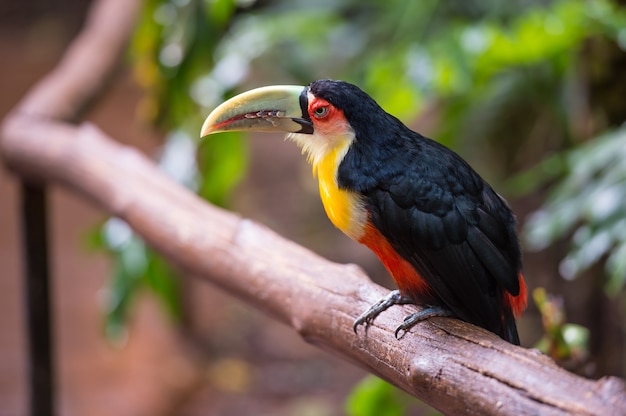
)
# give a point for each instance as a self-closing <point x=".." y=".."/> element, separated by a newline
<point x="279" y="108"/>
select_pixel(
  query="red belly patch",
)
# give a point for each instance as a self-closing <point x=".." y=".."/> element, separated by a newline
<point x="403" y="273"/>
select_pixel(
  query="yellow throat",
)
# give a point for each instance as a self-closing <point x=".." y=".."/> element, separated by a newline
<point x="345" y="209"/>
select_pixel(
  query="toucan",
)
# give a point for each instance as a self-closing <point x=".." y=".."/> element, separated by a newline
<point x="446" y="237"/>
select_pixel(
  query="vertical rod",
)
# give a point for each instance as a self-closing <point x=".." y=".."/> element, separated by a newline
<point x="37" y="299"/>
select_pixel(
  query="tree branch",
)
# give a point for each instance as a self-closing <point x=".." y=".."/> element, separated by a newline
<point x="87" y="65"/>
<point x="453" y="366"/>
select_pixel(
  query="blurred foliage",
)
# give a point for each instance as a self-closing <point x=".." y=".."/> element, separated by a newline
<point x="476" y="57"/>
<point x="375" y="397"/>
<point x="509" y="80"/>
<point x="135" y="267"/>
<point x="173" y="58"/>
<point x="589" y="203"/>
<point x="171" y="54"/>
<point x="566" y="343"/>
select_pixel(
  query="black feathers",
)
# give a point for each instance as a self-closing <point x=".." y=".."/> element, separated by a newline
<point x="434" y="210"/>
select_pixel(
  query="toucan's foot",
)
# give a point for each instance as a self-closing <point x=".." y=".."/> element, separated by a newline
<point x="414" y="318"/>
<point x="393" y="298"/>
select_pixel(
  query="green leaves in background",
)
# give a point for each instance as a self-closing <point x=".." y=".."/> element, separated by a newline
<point x="375" y="397"/>
<point x="589" y="203"/>
<point x="172" y="54"/>
<point x="135" y="267"/>
<point x="222" y="161"/>
<point x="565" y="342"/>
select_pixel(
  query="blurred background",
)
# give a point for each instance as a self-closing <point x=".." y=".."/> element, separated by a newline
<point x="530" y="92"/>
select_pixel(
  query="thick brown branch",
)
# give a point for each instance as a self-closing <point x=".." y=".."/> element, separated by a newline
<point x="457" y="368"/>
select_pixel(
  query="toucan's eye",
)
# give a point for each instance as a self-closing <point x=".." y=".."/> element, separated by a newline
<point x="320" y="112"/>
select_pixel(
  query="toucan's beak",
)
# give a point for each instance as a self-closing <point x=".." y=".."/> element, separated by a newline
<point x="281" y="108"/>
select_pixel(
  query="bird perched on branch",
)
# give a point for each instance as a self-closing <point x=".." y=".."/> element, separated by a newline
<point x="445" y="236"/>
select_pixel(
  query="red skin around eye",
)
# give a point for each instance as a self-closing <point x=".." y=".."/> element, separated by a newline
<point x="332" y="123"/>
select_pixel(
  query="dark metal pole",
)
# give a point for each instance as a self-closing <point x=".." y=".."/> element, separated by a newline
<point x="38" y="310"/>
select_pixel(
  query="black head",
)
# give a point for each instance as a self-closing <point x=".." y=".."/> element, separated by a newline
<point x="365" y="116"/>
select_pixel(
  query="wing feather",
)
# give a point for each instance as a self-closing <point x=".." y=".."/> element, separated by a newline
<point x="455" y="230"/>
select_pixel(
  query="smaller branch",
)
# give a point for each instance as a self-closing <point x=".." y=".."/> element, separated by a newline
<point x="87" y="65"/>
<point x="453" y="366"/>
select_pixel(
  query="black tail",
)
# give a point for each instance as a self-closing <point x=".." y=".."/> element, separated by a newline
<point x="509" y="329"/>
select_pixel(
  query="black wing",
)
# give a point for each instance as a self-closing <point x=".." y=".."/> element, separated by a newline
<point x="442" y="217"/>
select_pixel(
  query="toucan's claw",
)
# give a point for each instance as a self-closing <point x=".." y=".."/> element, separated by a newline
<point x="415" y="318"/>
<point x="396" y="298"/>
<point x="393" y="298"/>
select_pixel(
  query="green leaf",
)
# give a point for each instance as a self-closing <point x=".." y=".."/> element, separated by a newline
<point x="589" y="203"/>
<point x="219" y="12"/>
<point x="163" y="281"/>
<point x="130" y="266"/>
<point x="222" y="161"/>
<point x="374" y="397"/>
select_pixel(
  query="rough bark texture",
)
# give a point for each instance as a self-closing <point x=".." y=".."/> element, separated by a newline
<point x="455" y="367"/>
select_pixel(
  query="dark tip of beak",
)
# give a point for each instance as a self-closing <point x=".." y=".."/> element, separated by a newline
<point x="305" y="122"/>
<point x="307" y="126"/>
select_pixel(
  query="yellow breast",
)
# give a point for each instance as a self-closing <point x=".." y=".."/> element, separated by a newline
<point x="345" y="209"/>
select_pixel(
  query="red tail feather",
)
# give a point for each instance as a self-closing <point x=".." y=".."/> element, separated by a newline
<point x="518" y="303"/>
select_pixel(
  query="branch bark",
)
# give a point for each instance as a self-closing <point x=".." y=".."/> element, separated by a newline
<point x="455" y="367"/>
<point x="86" y="66"/>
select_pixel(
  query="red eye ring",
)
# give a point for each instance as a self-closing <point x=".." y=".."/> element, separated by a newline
<point x="321" y="111"/>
